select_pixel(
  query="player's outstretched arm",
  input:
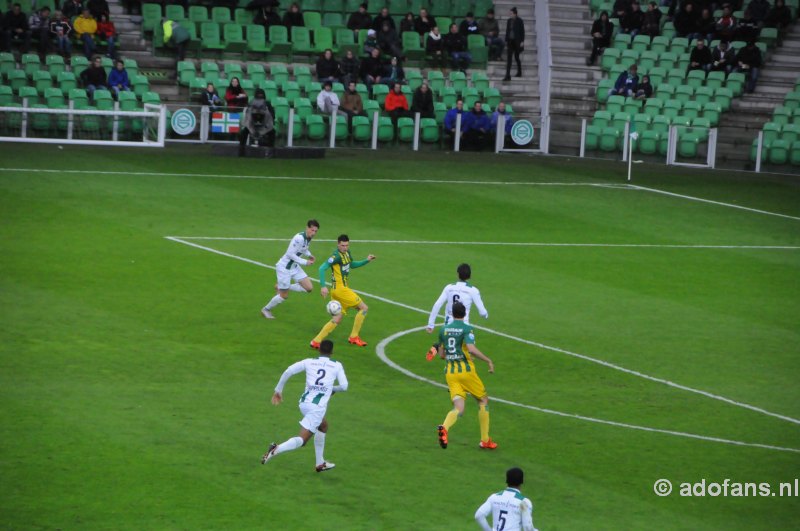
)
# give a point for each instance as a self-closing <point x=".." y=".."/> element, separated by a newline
<point x="435" y="310"/>
<point x="341" y="379"/>
<point x="290" y="371"/>
<point x="481" y="356"/>
<point x="322" y="269"/>
<point x="359" y="263"/>
<point x="482" y="311"/>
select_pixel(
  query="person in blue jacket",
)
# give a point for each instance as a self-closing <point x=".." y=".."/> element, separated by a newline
<point x="626" y="83"/>
<point x="118" y="79"/>
<point x="450" y="120"/>
<point x="476" y="132"/>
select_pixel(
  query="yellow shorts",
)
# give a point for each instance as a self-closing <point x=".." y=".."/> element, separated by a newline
<point x="461" y="383"/>
<point x="347" y="297"/>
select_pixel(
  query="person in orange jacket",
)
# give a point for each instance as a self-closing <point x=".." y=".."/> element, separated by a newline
<point x="396" y="103"/>
<point x="108" y="32"/>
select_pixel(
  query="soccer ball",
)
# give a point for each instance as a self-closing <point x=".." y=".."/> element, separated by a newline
<point x="334" y="307"/>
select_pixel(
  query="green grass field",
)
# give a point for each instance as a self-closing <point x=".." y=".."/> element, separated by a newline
<point x="136" y="370"/>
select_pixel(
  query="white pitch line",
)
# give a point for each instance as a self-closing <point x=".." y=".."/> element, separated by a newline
<point x="381" y="352"/>
<point x="709" y="201"/>
<point x="511" y="244"/>
<point x="526" y="341"/>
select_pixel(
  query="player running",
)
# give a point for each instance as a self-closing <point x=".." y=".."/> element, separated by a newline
<point x="510" y="510"/>
<point x="288" y="268"/>
<point x="457" y="346"/>
<point x="320" y="374"/>
<point x="340" y="263"/>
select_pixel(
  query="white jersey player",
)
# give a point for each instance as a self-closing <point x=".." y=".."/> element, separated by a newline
<point x="510" y="510"/>
<point x="461" y="291"/>
<point x="288" y="268"/>
<point x="321" y="373"/>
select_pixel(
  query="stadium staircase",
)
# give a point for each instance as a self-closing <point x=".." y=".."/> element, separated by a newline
<point x="521" y="92"/>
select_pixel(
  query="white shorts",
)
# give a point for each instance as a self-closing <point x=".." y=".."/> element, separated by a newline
<point x="285" y="276"/>
<point x="313" y="415"/>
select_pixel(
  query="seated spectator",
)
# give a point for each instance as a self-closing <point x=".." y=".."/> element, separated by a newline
<point x="394" y="73"/>
<point x="490" y="29"/>
<point x="602" y="30"/>
<point x="700" y="58"/>
<point x="476" y="134"/>
<point x="371" y="42"/>
<point x="631" y="23"/>
<point x="450" y="121"/>
<point x="107" y="32"/>
<point x="349" y="67"/>
<point x="72" y="8"/>
<point x="16" y="29"/>
<point x="94" y="77"/>
<point x="424" y="22"/>
<point x="422" y="102"/>
<point x="235" y="95"/>
<point x="651" y="24"/>
<point x="118" y="79"/>
<point x="60" y="30"/>
<point x="293" y="17"/>
<point x="39" y="25"/>
<point x="434" y="48"/>
<point x="396" y="104"/>
<point x="626" y="83"/>
<point x="621" y="8"/>
<point x="85" y="30"/>
<point x="407" y="24"/>
<point x="726" y="25"/>
<point x="706" y="26"/>
<point x="748" y="27"/>
<point x="210" y="98"/>
<point x="759" y="9"/>
<point x="351" y="103"/>
<point x="686" y="22"/>
<point x="98" y="8"/>
<point x="258" y="123"/>
<point x="359" y="19"/>
<point x="382" y="18"/>
<point x="469" y="26"/>
<point x="455" y="45"/>
<point x="645" y="89"/>
<point x="327" y="100"/>
<point x="749" y="62"/>
<point x="779" y="17"/>
<point x="389" y="42"/>
<point x="328" y="67"/>
<point x="501" y="111"/>
<point x="267" y="17"/>
<point x="723" y="58"/>
<point x="372" y="69"/>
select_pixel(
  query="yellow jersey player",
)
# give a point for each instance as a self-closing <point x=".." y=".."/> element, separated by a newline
<point x="457" y="347"/>
<point x="340" y="263"/>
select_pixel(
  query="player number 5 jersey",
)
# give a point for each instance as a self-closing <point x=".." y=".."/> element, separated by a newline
<point x="321" y="373"/>
<point x="511" y="511"/>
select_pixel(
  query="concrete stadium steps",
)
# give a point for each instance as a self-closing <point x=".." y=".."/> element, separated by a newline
<point x="522" y="92"/>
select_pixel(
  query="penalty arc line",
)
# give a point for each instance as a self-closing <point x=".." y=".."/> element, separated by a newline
<point x="522" y="340"/>
<point x="380" y="350"/>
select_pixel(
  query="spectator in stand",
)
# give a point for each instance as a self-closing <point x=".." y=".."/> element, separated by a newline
<point x="372" y="69"/>
<point x="621" y="8"/>
<point x="107" y="32"/>
<point x="700" y="58"/>
<point x="396" y="104"/>
<point x="39" y="25"/>
<point x="72" y="8"/>
<point x="749" y="63"/>
<point x="455" y="44"/>
<point x="381" y="18"/>
<point x="293" y="17"/>
<point x="515" y="40"/>
<point x="651" y="24"/>
<point x="389" y="42"/>
<point x="626" y="84"/>
<point x="85" y="30"/>
<point x="424" y="23"/>
<point x="177" y="35"/>
<point x="748" y="27"/>
<point x="394" y="73"/>
<point x="779" y="17"/>
<point x="210" y="97"/>
<point x="328" y="67"/>
<point x="118" y="79"/>
<point x="327" y="99"/>
<point x="60" y="29"/>
<point x="602" y="30"/>
<point x="476" y="135"/>
<point x="645" y="89"/>
<point x="16" y="29"/>
<point x="469" y="26"/>
<point x="371" y="42"/>
<point x="434" y="47"/>
<point x="258" y="123"/>
<point x="235" y="95"/>
<point x="407" y="24"/>
<point x="631" y="23"/>
<point x="422" y="101"/>
<point x="490" y="29"/>
<point x="723" y="58"/>
<point x="359" y="19"/>
<point x="759" y="9"/>
<point x="349" y="67"/>
<point x="267" y="17"/>
<point x="686" y="22"/>
<point x="450" y="121"/>
<point x="98" y="8"/>
<point x="94" y="77"/>
<point x="495" y="120"/>
<point x="706" y="26"/>
<point x="726" y="25"/>
<point x="352" y="104"/>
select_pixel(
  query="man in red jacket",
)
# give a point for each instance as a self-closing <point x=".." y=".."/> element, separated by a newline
<point x="396" y="103"/>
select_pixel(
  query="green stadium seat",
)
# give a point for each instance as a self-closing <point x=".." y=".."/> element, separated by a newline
<point x="665" y="90"/>
<point x="234" y="40"/>
<point x="242" y="17"/>
<point x="601" y="119"/>
<point x="302" y="107"/>
<point x="341" y="130"/>
<point x="270" y="89"/>
<point x="55" y="65"/>
<point x="648" y="142"/>
<point x="619" y="119"/>
<point x="221" y="15"/>
<point x="441" y="8"/>
<point x="703" y="95"/>
<point x="723" y="96"/>
<point x="771" y="132"/>
<point x="679" y="45"/>
<point x="641" y="43"/>
<point x="279" y="73"/>
<point x="301" y="40"/>
<point x="412" y="46"/>
<point x="313" y="88"/>
<point x="712" y="112"/>
<point x="609" y="139"/>
<point x="684" y="93"/>
<point x="234" y="70"/>
<point x="794" y="155"/>
<point x="779" y="151"/>
<point x="492" y="97"/>
<point x="436" y="80"/>
<point x="792" y="100"/>
<point x="622" y="41"/>
<point x="629" y="57"/>
<point x="29" y="93"/>
<point x="480" y="80"/>
<point x="290" y="90"/>
<point x="6" y="95"/>
<point x="615" y="103"/>
<point x="370" y="106"/>
<point x="657" y="75"/>
<point x="439" y="111"/>
<point x="31" y="63"/>
<point x="398" y="7"/>
<point x="67" y="81"/>
<point x="256" y="73"/>
<point x="279" y="40"/>
<point x="209" y="71"/>
<point x="660" y="44"/>
<point x="602" y="90"/>
<point x="692" y="109"/>
<point x="790" y="133"/>
<point x="668" y="60"/>
<point x="676" y="76"/>
<point x="476" y="44"/>
<point x="140" y="84"/>
<point x="696" y="78"/>
<point x="316" y="129"/>
<point x="688" y="144"/>
<point x="458" y="80"/>
<point x="610" y="57"/>
<point x="653" y="106"/>
<point x="413" y="78"/>
<point x="186" y="72"/>
<point x="103" y="100"/>
<point x="735" y="82"/>
<point x="345" y="40"/>
<point x="198" y="14"/>
<point x="385" y="129"/>
<point x="782" y="115"/>
<point x="16" y="79"/>
<point x="449" y="97"/>
<point x="632" y="106"/>
<point x="334" y="21"/>
<point x="429" y="130"/>
<point x="379" y="93"/>
<point x="42" y="80"/>
<point x="210" y="37"/>
<point x="174" y="12"/>
<point x="715" y="80"/>
<point x="302" y="74"/>
<point x="362" y="128"/>
<point x="592" y="141"/>
<point x="151" y="97"/>
<point x="247" y="85"/>
<point x="323" y="40"/>
<point x="470" y="96"/>
<point x="672" y="109"/>
<point x="311" y="5"/>
<point x="312" y="20"/>
<point x="333" y="6"/>
<point x="151" y="17"/>
<point x="647" y="61"/>
<point x="256" y="39"/>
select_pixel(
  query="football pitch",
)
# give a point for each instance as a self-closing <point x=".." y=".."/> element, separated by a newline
<point x="639" y="332"/>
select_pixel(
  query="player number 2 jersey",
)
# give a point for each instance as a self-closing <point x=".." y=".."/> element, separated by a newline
<point x="321" y="373"/>
<point x="298" y="248"/>
<point x="511" y="511"/>
<point x="462" y="292"/>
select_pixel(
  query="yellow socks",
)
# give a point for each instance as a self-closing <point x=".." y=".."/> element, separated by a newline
<point x="483" y="419"/>
<point x="357" y="322"/>
<point x="327" y="329"/>
<point x="450" y="419"/>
